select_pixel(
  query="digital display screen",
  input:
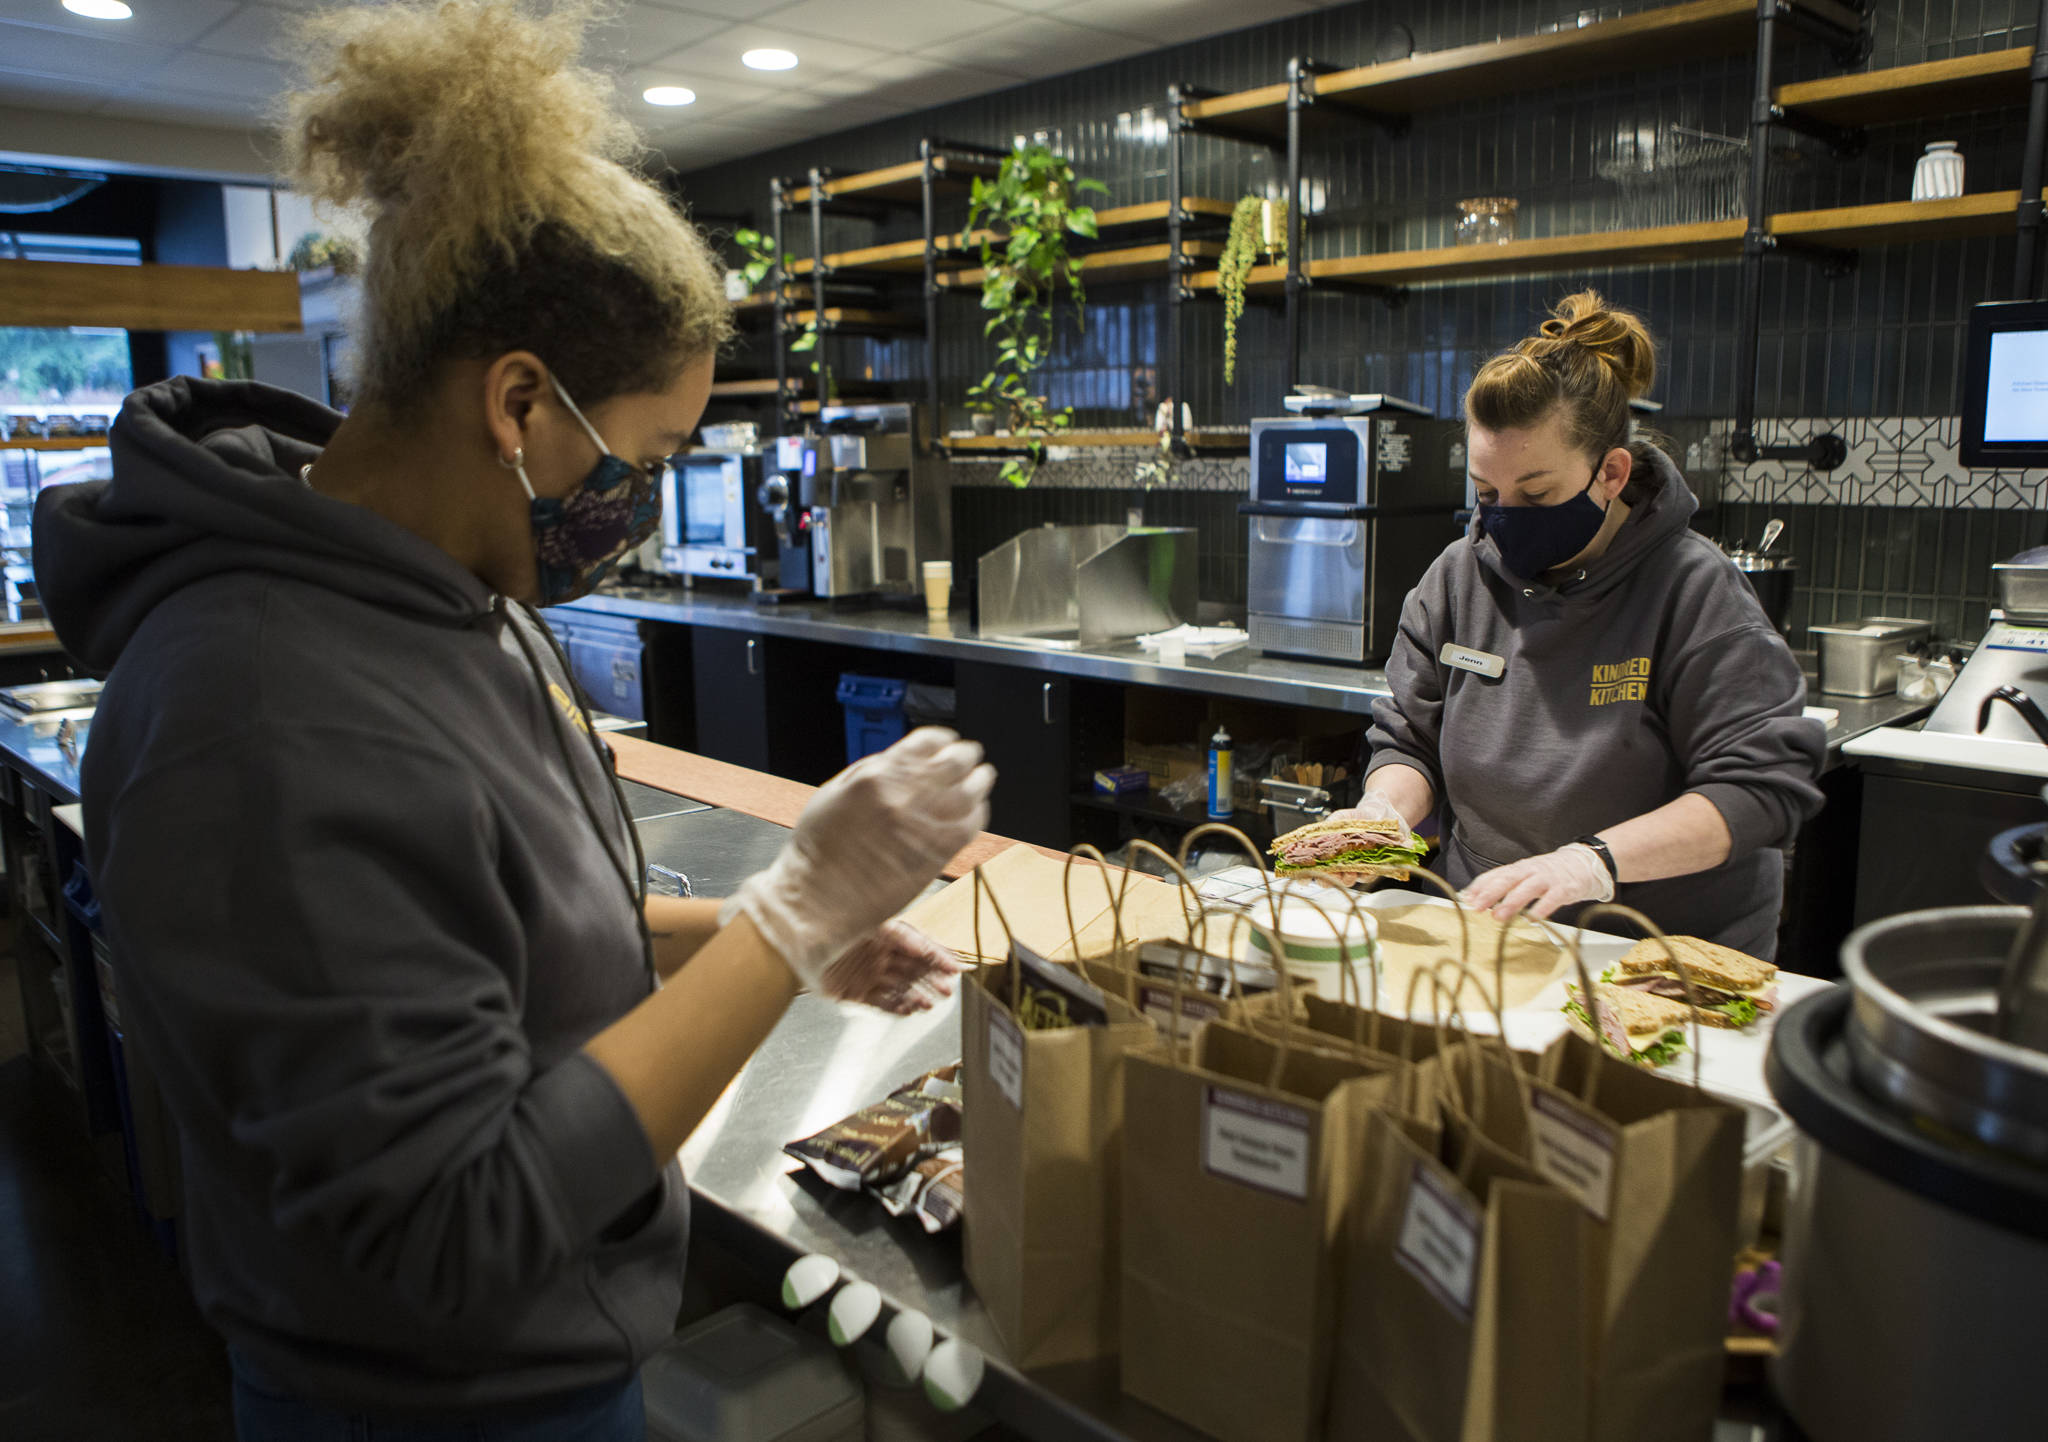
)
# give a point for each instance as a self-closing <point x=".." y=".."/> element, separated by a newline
<point x="703" y="504"/>
<point x="2016" y="387"/>
<point x="810" y="463"/>
<point x="1307" y="463"/>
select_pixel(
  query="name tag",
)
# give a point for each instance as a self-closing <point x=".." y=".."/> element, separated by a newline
<point x="1465" y="658"/>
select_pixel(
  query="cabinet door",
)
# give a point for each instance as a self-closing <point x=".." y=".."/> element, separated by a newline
<point x="731" y="674"/>
<point x="608" y="670"/>
<point x="1021" y="719"/>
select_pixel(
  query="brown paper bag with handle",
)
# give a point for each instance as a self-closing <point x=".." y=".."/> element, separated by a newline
<point x="1468" y="1276"/>
<point x="1236" y="1187"/>
<point x="1042" y="1121"/>
<point x="1658" y="1165"/>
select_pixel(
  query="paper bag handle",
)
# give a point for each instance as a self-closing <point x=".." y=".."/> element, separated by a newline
<point x="1192" y="917"/>
<point x="1245" y="844"/>
<point x="1240" y="918"/>
<point x="1348" y="972"/>
<point x="1475" y="1116"/>
<point x="983" y="889"/>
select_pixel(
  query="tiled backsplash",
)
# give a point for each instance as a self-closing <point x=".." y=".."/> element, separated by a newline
<point x="1877" y="350"/>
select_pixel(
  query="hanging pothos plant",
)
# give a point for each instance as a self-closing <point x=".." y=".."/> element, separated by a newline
<point x="1026" y="212"/>
<point x="1257" y="227"/>
<point x="759" y="251"/>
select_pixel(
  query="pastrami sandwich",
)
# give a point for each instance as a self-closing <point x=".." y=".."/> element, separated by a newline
<point x="1733" y="987"/>
<point x="1347" y="850"/>
<point x="1634" y="1024"/>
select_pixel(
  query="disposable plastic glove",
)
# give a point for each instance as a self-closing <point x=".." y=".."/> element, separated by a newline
<point x="1373" y="806"/>
<point x="1570" y="874"/>
<point x="865" y="846"/>
<point x="895" y="967"/>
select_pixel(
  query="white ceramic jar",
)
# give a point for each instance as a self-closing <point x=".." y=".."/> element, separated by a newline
<point x="1939" y="175"/>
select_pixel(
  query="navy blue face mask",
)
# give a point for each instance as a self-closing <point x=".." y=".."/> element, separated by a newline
<point x="1533" y="539"/>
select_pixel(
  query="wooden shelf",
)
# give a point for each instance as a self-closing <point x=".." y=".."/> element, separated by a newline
<point x="1913" y="92"/>
<point x="1109" y="266"/>
<point x="1151" y="806"/>
<point x="765" y="390"/>
<point x="1706" y="241"/>
<point x="1154" y="212"/>
<point x="907" y="256"/>
<point x="897" y="182"/>
<point x="54" y="443"/>
<point x="147" y="297"/>
<point x="1218" y="440"/>
<point x="848" y="318"/>
<point x="1647" y="39"/>
<point x="728" y="390"/>
<point x="1992" y="212"/>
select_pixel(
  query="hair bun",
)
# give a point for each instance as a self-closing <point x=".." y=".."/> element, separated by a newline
<point x="1618" y="337"/>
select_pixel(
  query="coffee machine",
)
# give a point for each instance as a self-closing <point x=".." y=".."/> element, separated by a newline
<point x="878" y="505"/>
<point x="1351" y="498"/>
<point x="797" y="460"/>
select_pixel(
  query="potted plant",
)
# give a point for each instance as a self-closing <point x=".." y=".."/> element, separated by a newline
<point x="1258" y="227"/>
<point x="1026" y="212"/>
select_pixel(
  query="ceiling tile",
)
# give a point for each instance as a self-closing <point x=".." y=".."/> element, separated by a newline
<point x="66" y="56"/>
<point x="1038" y="46"/>
<point x="644" y="32"/>
<point x="228" y="76"/>
<point x="815" y="55"/>
<point x="712" y="89"/>
<point x="257" y="32"/>
<point x="917" y="22"/>
<point x="180" y="107"/>
<point x="155" y="22"/>
<point x="41" y="92"/>
<point x="732" y="9"/>
<point x="1168" y="22"/>
<point x="921" y="80"/>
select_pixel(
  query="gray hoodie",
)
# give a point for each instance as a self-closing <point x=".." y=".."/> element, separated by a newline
<point x="367" y="886"/>
<point x="1650" y="673"/>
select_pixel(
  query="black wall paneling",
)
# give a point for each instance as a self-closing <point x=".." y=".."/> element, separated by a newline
<point x="1882" y="342"/>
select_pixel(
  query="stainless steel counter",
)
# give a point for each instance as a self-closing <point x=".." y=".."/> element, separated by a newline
<point x="1241" y="674"/>
<point x="31" y="748"/>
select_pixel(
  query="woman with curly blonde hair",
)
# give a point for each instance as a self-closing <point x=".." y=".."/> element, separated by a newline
<point x="375" y="901"/>
<point x="1586" y="693"/>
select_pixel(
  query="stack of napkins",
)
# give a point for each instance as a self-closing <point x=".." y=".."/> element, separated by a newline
<point x="1198" y="640"/>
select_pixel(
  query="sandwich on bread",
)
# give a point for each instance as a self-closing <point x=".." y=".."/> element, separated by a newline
<point x="1347" y="850"/>
<point x="1733" y="987"/>
<point x="1634" y="1024"/>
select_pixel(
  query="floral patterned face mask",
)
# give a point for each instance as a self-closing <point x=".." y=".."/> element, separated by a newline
<point x="579" y="537"/>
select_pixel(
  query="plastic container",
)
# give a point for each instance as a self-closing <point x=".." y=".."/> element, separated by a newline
<point x="744" y="1375"/>
<point x="1221" y="804"/>
<point x="874" y="713"/>
<point x="1311" y="925"/>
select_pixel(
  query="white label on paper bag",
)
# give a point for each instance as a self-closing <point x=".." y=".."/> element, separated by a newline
<point x="1259" y="1143"/>
<point x="1575" y="1149"/>
<point x="1439" y="1241"/>
<point x="1006" y="1056"/>
<point x="1157" y="1002"/>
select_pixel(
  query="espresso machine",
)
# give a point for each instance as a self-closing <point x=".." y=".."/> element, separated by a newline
<point x="797" y="461"/>
<point x="877" y="505"/>
<point x="1351" y="499"/>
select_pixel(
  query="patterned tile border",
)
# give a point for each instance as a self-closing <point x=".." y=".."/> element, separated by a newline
<point x="1893" y="461"/>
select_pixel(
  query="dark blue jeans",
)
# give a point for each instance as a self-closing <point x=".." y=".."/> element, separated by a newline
<point x="601" y="1414"/>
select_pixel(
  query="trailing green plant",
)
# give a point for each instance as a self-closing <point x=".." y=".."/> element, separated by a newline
<point x="1242" y="248"/>
<point x="1026" y="212"/>
<point x="759" y="250"/>
<point x="315" y="249"/>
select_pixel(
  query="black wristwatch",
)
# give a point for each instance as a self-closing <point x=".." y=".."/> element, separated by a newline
<point x="1600" y="850"/>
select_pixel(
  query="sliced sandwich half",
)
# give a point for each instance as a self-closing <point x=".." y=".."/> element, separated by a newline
<point x="1347" y="851"/>
<point x="1733" y="987"/>
<point x="1635" y="1025"/>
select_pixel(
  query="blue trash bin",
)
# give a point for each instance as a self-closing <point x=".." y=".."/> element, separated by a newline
<point x="874" y="713"/>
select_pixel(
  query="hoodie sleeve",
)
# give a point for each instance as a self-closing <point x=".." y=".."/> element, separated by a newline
<point x="1733" y="708"/>
<point x="1407" y="727"/>
<point x="330" y="968"/>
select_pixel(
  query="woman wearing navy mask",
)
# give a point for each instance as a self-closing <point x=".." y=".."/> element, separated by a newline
<point x="1585" y="690"/>
<point x="375" y="902"/>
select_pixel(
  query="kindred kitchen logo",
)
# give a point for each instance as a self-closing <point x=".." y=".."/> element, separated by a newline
<point x="1623" y="681"/>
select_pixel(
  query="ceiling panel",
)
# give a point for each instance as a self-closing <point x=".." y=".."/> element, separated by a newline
<point x="1038" y="45"/>
<point x="168" y="23"/>
<point x="208" y="61"/>
<point x="907" y="22"/>
<point x="255" y="31"/>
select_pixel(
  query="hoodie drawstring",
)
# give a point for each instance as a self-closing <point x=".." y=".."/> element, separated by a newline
<point x="635" y="878"/>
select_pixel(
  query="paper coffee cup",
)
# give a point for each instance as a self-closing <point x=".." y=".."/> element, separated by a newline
<point x="938" y="587"/>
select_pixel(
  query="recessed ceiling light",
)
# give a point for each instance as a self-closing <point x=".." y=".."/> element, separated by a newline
<point x="669" y="95"/>
<point x="769" y="59"/>
<point x="99" y="9"/>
